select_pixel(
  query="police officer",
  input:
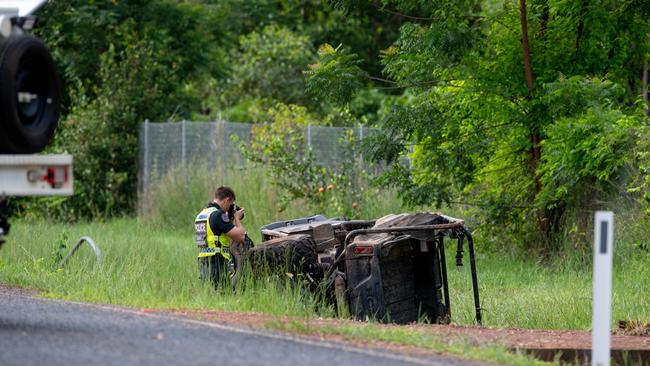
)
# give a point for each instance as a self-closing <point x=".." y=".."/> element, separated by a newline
<point x="215" y="230"/>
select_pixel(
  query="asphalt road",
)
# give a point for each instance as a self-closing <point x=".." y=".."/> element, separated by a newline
<point x="37" y="331"/>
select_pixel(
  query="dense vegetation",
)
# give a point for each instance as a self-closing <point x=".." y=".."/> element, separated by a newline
<point x="532" y="111"/>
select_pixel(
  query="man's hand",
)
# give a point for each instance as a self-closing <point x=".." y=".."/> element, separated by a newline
<point x="237" y="233"/>
<point x="239" y="214"/>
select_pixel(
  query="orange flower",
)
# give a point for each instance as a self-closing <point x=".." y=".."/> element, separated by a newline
<point x="321" y="190"/>
<point x="330" y="187"/>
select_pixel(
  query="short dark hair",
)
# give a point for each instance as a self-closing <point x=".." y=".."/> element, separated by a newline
<point x="224" y="192"/>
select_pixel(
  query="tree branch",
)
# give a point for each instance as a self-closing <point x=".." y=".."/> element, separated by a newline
<point x="397" y="85"/>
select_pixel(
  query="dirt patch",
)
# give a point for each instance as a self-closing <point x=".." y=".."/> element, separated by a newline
<point x="568" y="346"/>
<point x="631" y="341"/>
<point x="313" y="328"/>
<point x="13" y="290"/>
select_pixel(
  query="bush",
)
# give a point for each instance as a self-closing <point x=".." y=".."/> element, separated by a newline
<point x="269" y="65"/>
<point x="280" y="147"/>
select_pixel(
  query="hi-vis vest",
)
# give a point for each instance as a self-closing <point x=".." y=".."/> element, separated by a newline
<point x="210" y="244"/>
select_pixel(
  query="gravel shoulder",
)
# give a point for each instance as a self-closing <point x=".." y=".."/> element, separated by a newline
<point x="508" y="337"/>
<point x="544" y="344"/>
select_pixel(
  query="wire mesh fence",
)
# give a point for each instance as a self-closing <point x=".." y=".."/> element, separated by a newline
<point x="164" y="146"/>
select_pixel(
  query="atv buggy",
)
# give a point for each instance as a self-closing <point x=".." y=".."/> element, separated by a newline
<point x="392" y="269"/>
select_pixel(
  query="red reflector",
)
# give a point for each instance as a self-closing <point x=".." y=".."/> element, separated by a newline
<point x="362" y="250"/>
<point x="56" y="176"/>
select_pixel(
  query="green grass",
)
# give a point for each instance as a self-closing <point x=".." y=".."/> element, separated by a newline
<point x="371" y="332"/>
<point x="525" y="294"/>
<point x="149" y="267"/>
<point x="174" y="202"/>
<point x="150" y="262"/>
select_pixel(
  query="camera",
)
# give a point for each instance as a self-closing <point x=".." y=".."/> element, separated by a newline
<point x="30" y="94"/>
<point x="233" y="209"/>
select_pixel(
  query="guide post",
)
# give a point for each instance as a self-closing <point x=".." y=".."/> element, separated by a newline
<point x="602" y="285"/>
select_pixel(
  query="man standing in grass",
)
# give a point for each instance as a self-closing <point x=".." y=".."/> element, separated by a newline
<point x="217" y="225"/>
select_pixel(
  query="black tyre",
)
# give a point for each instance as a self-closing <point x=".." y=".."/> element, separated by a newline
<point x="295" y="254"/>
<point x="30" y="96"/>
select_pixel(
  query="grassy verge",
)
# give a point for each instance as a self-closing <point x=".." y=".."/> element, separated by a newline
<point x="370" y="333"/>
<point x="150" y="262"/>
<point x="149" y="267"/>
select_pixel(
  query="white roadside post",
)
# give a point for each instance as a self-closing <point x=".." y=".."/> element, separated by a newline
<point x="602" y="285"/>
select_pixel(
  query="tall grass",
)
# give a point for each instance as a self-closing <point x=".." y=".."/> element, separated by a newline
<point x="149" y="267"/>
<point x="173" y="202"/>
<point x="143" y="267"/>
<point x="151" y="262"/>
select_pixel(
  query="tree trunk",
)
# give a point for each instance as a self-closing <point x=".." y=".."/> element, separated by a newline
<point x="524" y="36"/>
<point x="535" y="150"/>
<point x="644" y="85"/>
<point x="581" y="27"/>
<point x="547" y="220"/>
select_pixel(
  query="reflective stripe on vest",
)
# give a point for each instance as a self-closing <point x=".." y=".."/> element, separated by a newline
<point x="209" y="244"/>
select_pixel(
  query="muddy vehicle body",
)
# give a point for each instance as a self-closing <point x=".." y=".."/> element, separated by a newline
<point x="392" y="269"/>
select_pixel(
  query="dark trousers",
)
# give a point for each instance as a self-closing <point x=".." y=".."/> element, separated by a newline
<point x="213" y="268"/>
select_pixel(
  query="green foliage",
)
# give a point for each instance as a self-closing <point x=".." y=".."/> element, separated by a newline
<point x="269" y="64"/>
<point x="59" y="248"/>
<point x="121" y="63"/>
<point x="641" y="185"/>
<point x="476" y="133"/>
<point x="79" y="32"/>
<point x="127" y="61"/>
<point x="280" y="147"/>
<point x="102" y="133"/>
<point x="453" y="98"/>
<point x="336" y="75"/>
<point x="587" y="148"/>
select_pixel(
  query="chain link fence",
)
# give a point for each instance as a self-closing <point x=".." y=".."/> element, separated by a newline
<point x="167" y="145"/>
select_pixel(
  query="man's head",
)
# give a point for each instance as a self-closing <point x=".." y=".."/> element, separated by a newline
<point x="225" y="197"/>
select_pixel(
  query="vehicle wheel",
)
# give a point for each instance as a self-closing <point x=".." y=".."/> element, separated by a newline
<point x="30" y="96"/>
<point x="294" y="254"/>
<point x="234" y="267"/>
<point x="238" y="252"/>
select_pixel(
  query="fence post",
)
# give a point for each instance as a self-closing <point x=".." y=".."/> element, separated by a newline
<point x="362" y="161"/>
<point x="309" y="136"/>
<point x="145" y="175"/>
<point x="223" y="148"/>
<point x="213" y="144"/>
<point x="183" y="149"/>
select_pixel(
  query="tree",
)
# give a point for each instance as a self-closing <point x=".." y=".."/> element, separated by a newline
<point x="121" y="63"/>
<point x="519" y="109"/>
<point x="268" y="66"/>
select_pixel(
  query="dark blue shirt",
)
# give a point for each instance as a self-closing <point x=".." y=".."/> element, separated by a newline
<point x="220" y="222"/>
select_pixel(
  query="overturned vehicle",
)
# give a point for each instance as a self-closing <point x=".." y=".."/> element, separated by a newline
<point x="392" y="269"/>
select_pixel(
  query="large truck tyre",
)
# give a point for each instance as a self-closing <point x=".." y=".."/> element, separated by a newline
<point x="30" y="95"/>
<point x="294" y="253"/>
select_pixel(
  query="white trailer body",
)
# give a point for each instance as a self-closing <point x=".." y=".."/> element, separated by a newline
<point x="35" y="175"/>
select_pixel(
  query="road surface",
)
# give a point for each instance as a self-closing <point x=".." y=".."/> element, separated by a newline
<point x="38" y="331"/>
